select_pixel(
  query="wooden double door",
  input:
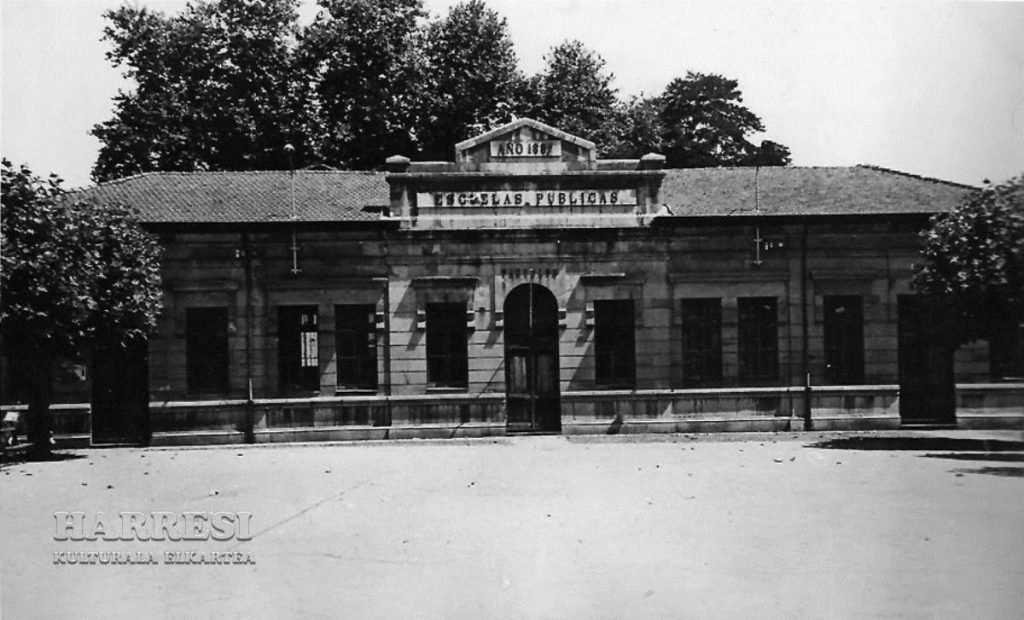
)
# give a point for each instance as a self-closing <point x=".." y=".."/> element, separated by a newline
<point x="531" y="360"/>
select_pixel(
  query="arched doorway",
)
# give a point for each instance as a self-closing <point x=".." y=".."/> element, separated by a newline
<point x="531" y="359"/>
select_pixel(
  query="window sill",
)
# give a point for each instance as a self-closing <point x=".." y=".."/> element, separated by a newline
<point x="299" y="394"/>
<point x="212" y="395"/>
<point x="759" y="382"/>
<point x="355" y="392"/>
<point x="447" y="390"/>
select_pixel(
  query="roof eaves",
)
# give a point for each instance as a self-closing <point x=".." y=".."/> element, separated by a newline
<point x="747" y="218"/>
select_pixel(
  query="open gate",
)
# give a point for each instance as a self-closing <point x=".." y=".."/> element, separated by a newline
<point x="531" y="360"/>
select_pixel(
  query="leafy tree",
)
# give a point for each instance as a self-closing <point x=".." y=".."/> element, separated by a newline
<point x="470" y="77"/>
<point x="214" y="88"/>
<point x="974" y="265"/>
<point x="574" y="93"/>
<point x="698" y="121"/>
<point x="225" y="84"/>
<point x="768" y="154"/>
<point x="71" y="272"/>
<point x="639" y="129"/>
<point x="704" y="124"/>
<point x="366" y="64"/>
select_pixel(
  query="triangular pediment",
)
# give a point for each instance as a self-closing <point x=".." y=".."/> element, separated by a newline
<point x="511" y="129"/>
<point x="525" y="142"/>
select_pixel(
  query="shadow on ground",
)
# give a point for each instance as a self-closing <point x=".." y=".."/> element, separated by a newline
<point x="50" y="458"/>
<point x="954" y="448"/>
<point x="1013" y="472"/>
<point x="1006" y="457"/>
<point x="951" y="444"/>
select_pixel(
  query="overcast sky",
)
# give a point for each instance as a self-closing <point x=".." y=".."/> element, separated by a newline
<point x="935" y="89"/>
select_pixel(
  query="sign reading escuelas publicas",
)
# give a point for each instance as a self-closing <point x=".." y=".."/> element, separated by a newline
<point x="529" y="198"/>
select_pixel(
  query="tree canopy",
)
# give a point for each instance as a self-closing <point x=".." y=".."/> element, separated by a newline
<point x="574" y="93"/>
<point x="974" y="264"/>
<point x="471" y="78"/>
<point x="214" y="88"/>
<point x="703" y="123"/>
<point x="363" y="64"/>
<point x="226" y="84"/>
<point x="72" y="272"/>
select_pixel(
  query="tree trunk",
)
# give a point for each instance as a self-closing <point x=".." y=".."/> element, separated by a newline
<point x="37" y="417"/>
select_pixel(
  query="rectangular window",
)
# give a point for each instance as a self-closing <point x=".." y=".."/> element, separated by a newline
<point x="206" y="350"/>
<point x="844" y="339"/>
<point x="702" y="341"/>
<point x="447" y="353"/>
<point x="614" y="344"/>
<point x="356" y="341"/>
<point x="298" y="348"/>
<point x="758" y="339"/>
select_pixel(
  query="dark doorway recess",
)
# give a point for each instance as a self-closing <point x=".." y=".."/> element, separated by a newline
<point x="927" y="384"/>
<point x="531" y="360"/>
<point x="120" y="393"/>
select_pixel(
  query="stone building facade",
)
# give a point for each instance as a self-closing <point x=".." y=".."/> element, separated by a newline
<point x="528" y="286"/>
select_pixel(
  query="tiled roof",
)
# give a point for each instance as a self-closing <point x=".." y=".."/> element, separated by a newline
<point x="237" y="197"/>
<point x="325" y="196"/>
<point x="806" y="191"/>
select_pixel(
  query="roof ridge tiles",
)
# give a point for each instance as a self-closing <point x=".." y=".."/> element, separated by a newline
<point x="235" y="172"/>
<point x="264" y="171"/>
<point x="751" y="168"/>
<point x="914" y="176"/>
<point x="108" y="183"/>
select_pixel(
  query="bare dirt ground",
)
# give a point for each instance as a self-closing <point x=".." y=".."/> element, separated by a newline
<point x="923" y="524"/>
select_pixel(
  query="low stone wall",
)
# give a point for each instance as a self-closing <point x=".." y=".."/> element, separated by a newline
<point x="65" y="419"/>
<point x="644" y="411"/>
<point x="336" y="418"/>
<point x="990" y="405"/>
<point x="448" y="415"/>
<point x="855" y="407"/>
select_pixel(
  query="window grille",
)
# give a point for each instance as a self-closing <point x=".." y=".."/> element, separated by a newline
<point x="206" y="350"/>
<point x="702" y="341"/>
<point x="844" y="339"/>
<point x="758" y="339"/>
<point x="356" y="343"/>
<point x="447" y="355"/>
<point x="298" y="348"/>
<point x="615" y="344"/>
